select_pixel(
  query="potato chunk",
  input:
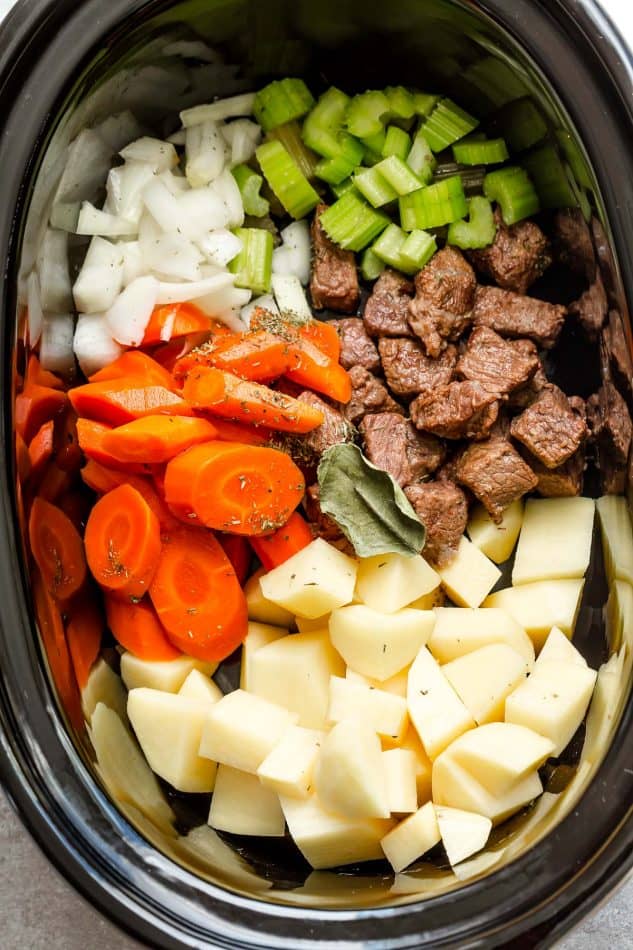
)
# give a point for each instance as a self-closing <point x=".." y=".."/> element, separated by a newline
<point x="201" y="688"/>
<point x="242" y="729"/>
<point x="289" y="768"/>
<point x="436" y="711"/>
<point x="412" y="838"/>
<point x="458" y="631"/>
<point x="400" y="769"/>
<point x="456" y="787"/>
<point x="379" y="645"/>
<point x="423" y="765"/>
<point x="259" y="635"/>
<point x="262" y="610"/>
<point x="614" y="516"/>
<point x="243" y="806"/>
<point x="350" y="778"/>
<point x="395" y="684"/>
<point x="389" y="582"/>
<point x="500" y="754"/>
<point x="383" y="712"/>
<point x="463" y="832"/>
<point x="166" y="676"/>
<point x="559" y="647"/>
<point x="312" y="582"/>
<point x="540" y="606"/>
<point x="555" y="539"/>
<point x="470" y="576"/>
<point x="104" y="686"/>
<point x="496" y="540"/>
<point x="482" y="679"/>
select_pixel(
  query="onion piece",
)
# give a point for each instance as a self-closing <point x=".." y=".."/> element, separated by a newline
<point x="290" y="296"/>
<point x="220" y="246"/>
<point x="225" y="187"/>
<point x="87" y="163"/>
<point x="205" y="153"/>
<point x="177" y="138"/>
<point x="130" y="313"/>
<point x="133" y="265"/>
<point x="125" y="188"/>
<point x="173" y="256"/>
<point x="101" y="277"/>
<point x="35" y="315"/>
<point x="160" y="155"/>
<point x="217" y="111"/>
<point x="265" y="302"/>
<point x="201" y="210"/>
<point x="52" y="268"/>
<point x="243" y="136"/>
<point x="56" y="344"/>
<point x="293" y="257"/>
<point x="176" y="184"/>
<point x="93" y="221"/>
<point x="162" y="205"/>
<point x="93" y="345"/>
<point x="119" y="129"/>
<point x="181" y="293"/>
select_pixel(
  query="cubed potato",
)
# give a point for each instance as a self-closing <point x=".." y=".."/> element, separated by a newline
<point x="478" y="865"/>
<point x="289" y="768"/>
<point x="326" y="840"/>
<point x="241" y="805"/>
<point x="457" y="788"/>
<point x="379" y="645"/>
<point x="259" y="635"/>
<point x="242" y="729"/>
<point x="349" y="777"/>
<point x="169" y="727"/>
<point x="463" y="832"/>
<point x="496" y="540"/>
<point x="559" y="647"/>
<point x="436" y="710"/>
<point x="436" y="598"/>
<point x="389" y="582"/>
<point x="295" y="672"/>
<point x="617" y="537"/>
<point x="555" y="539"/>
<point x="619" y="617"/>
<point x="383" y="712"/>
<point x="459" y="631"/>
<point x="201" y="688"/>
<point x="166" y="676"/>
<point x="313" y="582"/>
<point x="395" y="684"/>
<point x="500" y="754"/>
<point x="470" y="576"/>
<point x="482" y="679"/>
<point x="423" y="765"/>
<point x="104" y="686"/>
<point x="540" y="606"/>
<point x="608" y="695"/>
<point x="553" y="701"/>
<point x="262" y="610"/>
<point x="400" y="768"/>
<point x="311" y="626"/>
<point x="412" y="838"/>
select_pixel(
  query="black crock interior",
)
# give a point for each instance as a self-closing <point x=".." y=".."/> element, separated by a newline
<point x="64" y="67"/>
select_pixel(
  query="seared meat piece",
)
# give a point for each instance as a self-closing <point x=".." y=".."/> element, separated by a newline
<point x="500" y="365"/>
<point x="445" y="290"/>
<point x="458" y="411"/>
<point x="524" y="396"/>
<point x="604" y="255"/>
<point x="564" y="481"/>
<point x="357" y="348"/>
<point x="387" y="307"/>
<point x="324" y="526"/>
<point x="409" y="371"/>
<point x="617" y="350"/>
<point x="333" y="430"/>
<point x="442" y="508"/>
<point x="551" y="429"/>
<point x="518" y="255"/>
<point x="573" y="246"/>
<point x="611" y="428"/>
<point x="395" y="445"/>
<point x="368" y="395"/>
<point x="334" y="281"/>
<point x="496" y="474"/>
<point x="514" y="315"/>
<point x="591" y="308"/>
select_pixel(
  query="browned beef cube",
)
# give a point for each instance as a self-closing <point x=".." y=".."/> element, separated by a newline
<point x="334" y="281"/>
<point x="387" y="307"/>
<point x="409" y="371"/>
<point x="572" y="243"/>
<point x="442" y="508"/>
<point x="334" y="429"/>
<point x="324" y="526"/>
<point x="357" y="348"/>
<point x="618" y="351"/>
<point x="551" y="429"/>
<point x="368" y="395"/>
<point x="445" y="290"/>
<point x="395" y="445"/>
<point x="514" y="315"/>
<point x="500" y="365"/>
<point x="605" y="258"/>
<point x="591" y="308"/>
<point x="525" y="395"/>
<point x="460" y="410"/>
<point x="564" y="481"/>
<point x="611" y="427"/>
<point x="496" y="474"/>
<point x="518" y="255"/>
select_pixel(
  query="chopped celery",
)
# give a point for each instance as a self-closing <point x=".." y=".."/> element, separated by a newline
<point x="323" y="128"/>
<point x="433" y="206"/>
<point x="351" y="223"/>
<point x="282" y="173"/>
<point x="418" y="249"/>
<point x="374" y="145"/>
<point x="398" y="174"/>
<point x="421" y="160"/>
<point x="397" y="142"/>
<point x="513" y="191"/>
<point x="334" y="170"/>
<point x="249" y="183"/>
<point x="498" y="82"/>
<point x="389" y="245"/>
<point x="253" y="265"/>
<point x="446" y="124"/>
<point x="282" y="101"/>
<point x="521" y="124"/>
<point x="374" y="187"/>
<point x="406" y="252"/>
<point x="371" y="266"/>
<point x="401" y="102"/>
<point x="365" y="113"/>
<point x="424" y="103"/>
<point x="479" y="230"/>
<point x="290" y="137"/>
<point x="347" y="185"/>
<point x="480" y="151"/>
<point x="575" y="157"/>
<point x="547" y="171"/>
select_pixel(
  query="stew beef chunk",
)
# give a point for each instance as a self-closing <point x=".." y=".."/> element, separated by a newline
<point x="334" y="281"/>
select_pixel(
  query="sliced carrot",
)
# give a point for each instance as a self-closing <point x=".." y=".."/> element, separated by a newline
<point x="34" y="406"/>
<point x="123" y="542"/>
<point x="197" y="596"/>
<point x="156" y="439"/>
<point x="241" y="489"/>
<point x="137" y="628"/>
<point x="259" y="356"/>
<point x="49" y="621"/>
<point x="291" y="538"/>
<point x="91" y="435"/>
<point x="102" y="480"/>
<point x="168" y="354"/>
<point x="225" y="395"/>
<point x="318" y="371"/>
<point x="22" y="458"/>
<point x="118" y="401"/>
<point x="41" y="449"/>
<point x="68" y="454"/>
<point x="176" y="320"/>
<point x="236" y="432"/>
<point x="238" y="552"/>
<point x="54" y="483"/>
<point x="83" y="633"/>
<point x="134" y="364"/>
<point x="324" y="336"/>
<point x="41" y="377"/>
<point x="57" y="549"/>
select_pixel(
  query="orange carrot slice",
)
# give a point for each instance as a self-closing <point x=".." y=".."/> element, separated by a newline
<point x="156" y="439"/>
<point x="118" y="401"/>
<point x="83" y="634"/>
<point x="134" y="364"/>
<point x="57" y="549"/>
<point x="34" y="406"/>
<point x="137" y="628"/>
<point x="41" y="449"/>
<point x="238" y="552"/>
<point x="175" y="320"/>
<point x="273" y="549"/>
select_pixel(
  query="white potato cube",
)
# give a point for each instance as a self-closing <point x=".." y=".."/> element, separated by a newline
<point x="470" y="576"/>
<point x="463" y="832"/>
<point x="500" y="754"/>
<point x="379" y="645"/>
<point x="262" y="610"/>
<point x="312" y="582"/>
<point x="436" y="710"/>
<point x="459" y="631"/>
<point x="400" y="770"/>
<point x="395" y="684"/>
<point x="540" y="606"/>
<point x="454" y="786"/>
<point x="168" y="728"/>
<point x="619" y="616"/>
<point x="496" y="540"/>
<point x="553" y="701"/>
<point x="259" y="635"/>
<point x="383" y="712"/>
<point x="388" y="582"/>
<point x="166" y="676"/>
<point x="617" y="537"/>
<point x="289" y="768"/>
<point x="326" y="840"/>
<point x="349" y="777"/>
<point x="608" y="695"/>
<point x="241" y="805"/>
<point x="295" y="672"/>
<point x="484" y="678"/>
<point x="201" y="688"/>
<point x="436" y="598"/>
<point x="104" y="686"/>
<point x="412" y="838"/>
<point x="242" y="729"/>
<point x="423" y="765"/>
<point x="559" y="647"/>
<point x="555" y="539"/>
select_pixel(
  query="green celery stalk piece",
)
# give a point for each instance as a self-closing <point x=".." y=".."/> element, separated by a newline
<point x="374" y="187"/>
<point x="334" y="170"/>
<point x="514" y="192"/>
<point x="351" y="223"/>
<point x="253" y="265"/>
<point x="480" y="229"/>
<point x="250" y="183"/>
<point x="281" y="101"/>
<point x="397" y="143"/>
<point x="371" y="266"/>
<point x="421" y="160"/>
<point x="417" y="250"/>
<point x="401" y="102"/>
<point x="286" y="180"/>
<point x="365" y="113"/>
<point x="398" y="174"/>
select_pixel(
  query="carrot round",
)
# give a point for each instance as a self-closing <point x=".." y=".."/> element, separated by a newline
<point x="241" y="489"/>
<point x="138" y="365"/>
<point x="156" y="439"/>
<point x="320" y="372"/>
<point x="57" y="549"/>
<point x="197" y="596"/>
<point x="258" y="355"/>
<point x="117" y="401"/>
<point x="123" y="542"/>
<point x="324" y="336"/>
<point x="137" y="628"/>
<point x="102" y="480"/>
<point x="34" y="406"/>
<point x="41" y="377"/>
<point x="49" y="622"/>
<point x="238" y="552"/>
<point x="238" y="432"/>
<point x="175" y="320"/>
<point x="273" y="549"/>
<point x="68" y="453"/>
<point x="91" y="434"/>
<point x="83" y="633"/>
<point x="22" y="458"/>
<point x="41" y="449"/>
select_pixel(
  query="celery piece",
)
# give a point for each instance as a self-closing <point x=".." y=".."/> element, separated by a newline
<point x="374" y="145"/>
<point x="575" y="157"/>
<point x="374" y="187"/>
<point x="253" y="265"/>
<point x="406" y="252"/>
<point x="322" y="125"/>
<point x="290" y="137"/>
<point x="417" y="250"/>
<point x="282" y="173"/>
<point x="398" y="174"/>
<point x="249" y="183"/>
<point x="433" y="206"/>
<point x="334" y="170"/>
<point x="497" y="81"/>
<point x="547" y="172"/>
<point x="446" y="124"/>
<point x="389" y="245"/>
<point x="371" y="266"/>
<point x="351" y="223"/>
<point x="282" y="101"/>
<point x="480" y="151"/>
<point x="397" y="142"/>
<point x="421" y="160"/>
<point x="521" y="124"/>
<point x="513" y="191"/>
<point x="401" y="102"/>
<point x="365" y="113"/>
<point x="424" y="103"/>
<point x="478" y="231"/>
<point x="347" y="185"/>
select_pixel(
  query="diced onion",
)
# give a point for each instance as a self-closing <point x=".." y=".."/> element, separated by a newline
<point x="202" y="210"/>
<point x="56" y="344"/>
<point x="86" y="167"/>
<point x="133" y="265"/>
<point x="243" y="136"/>
<point x="296" y="245"/>
<point x="178" y="137"/>
<point x="265" y="302"/>
<point x="217" y="111"/>
<point x="226" y="188"/>
<point x="93" y="221"/>
<point x="119" y="129"/>
<point x="162" y="205"/>
<point x="34" y="308"/>
<point x="160" y="155"/>
<point x="52" y="266"/>
<point x="176" y="184"/>
<point x="181" y="293"/>
<point x="290" y="296"/>
<point x="101" y="277"/>
<point x="205" y="152"/>
<point x="125" y="188"/>
<point x="173" y="256"/>
<point x="220" y="246"/>
<point x="93" y="344"/>
<point x="130" y="313"/>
